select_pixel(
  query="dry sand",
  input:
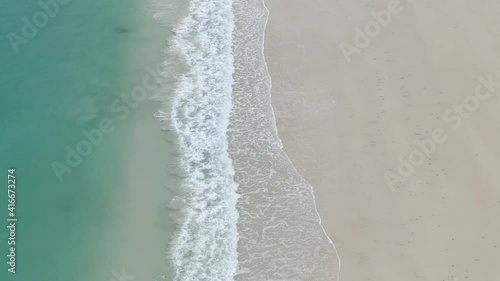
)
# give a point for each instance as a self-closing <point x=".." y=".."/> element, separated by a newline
<point x="345" y="124"/>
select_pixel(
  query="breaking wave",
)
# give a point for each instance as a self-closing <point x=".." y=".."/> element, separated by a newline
<point x="204" y="246"/>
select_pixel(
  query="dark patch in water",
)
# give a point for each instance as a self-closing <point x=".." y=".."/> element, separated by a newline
<point x="121" y="29"/>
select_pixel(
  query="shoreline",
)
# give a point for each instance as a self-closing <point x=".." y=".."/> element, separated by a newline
<point x="276" y="203"/>
<point x="281" y="142"/>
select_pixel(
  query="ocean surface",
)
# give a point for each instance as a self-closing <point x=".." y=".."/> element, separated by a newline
<point x="241" y="210"/>
<point x="59" y="81"/>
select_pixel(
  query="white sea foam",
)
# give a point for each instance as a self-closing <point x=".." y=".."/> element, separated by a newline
<point x="204" y="246"/>
<point x="280" y="234"/>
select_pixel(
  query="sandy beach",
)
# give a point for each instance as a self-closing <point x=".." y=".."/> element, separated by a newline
<point x="428" y="75"/>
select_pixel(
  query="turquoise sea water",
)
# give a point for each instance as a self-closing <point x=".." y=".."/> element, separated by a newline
<point x="61" y="81"/>
<point x="103" y="216"/>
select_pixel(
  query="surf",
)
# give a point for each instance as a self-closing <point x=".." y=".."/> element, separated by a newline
<point x="204" y="246"/>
